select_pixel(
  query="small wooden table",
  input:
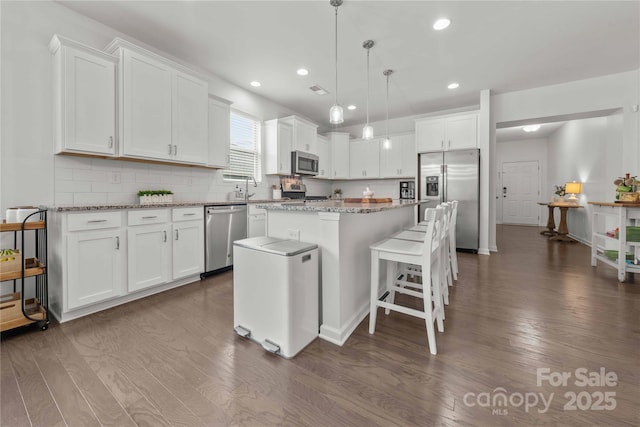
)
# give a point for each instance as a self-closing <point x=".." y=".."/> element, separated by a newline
<point x="563" y="230"/>
<point x="551" y="224"/>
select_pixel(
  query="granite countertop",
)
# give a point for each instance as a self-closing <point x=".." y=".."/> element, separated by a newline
<point x="115" y="206"/>
<point x="337" y="206"/>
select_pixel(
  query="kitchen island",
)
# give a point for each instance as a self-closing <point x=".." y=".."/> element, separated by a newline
<point x="343" y="232"/>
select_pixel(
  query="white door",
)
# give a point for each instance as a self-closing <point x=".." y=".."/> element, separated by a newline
<point x="188" y="248"/>
<point x="147" y="107"/>
<point x="89" y="108"/>
<point x="149" y="256"/>
<point x="190" y="119"/>
<point x="94" y="266"/>
<point x="520" y="192"/>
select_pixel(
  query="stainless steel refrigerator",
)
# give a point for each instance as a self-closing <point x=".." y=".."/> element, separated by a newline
<point x="453" y="175"/>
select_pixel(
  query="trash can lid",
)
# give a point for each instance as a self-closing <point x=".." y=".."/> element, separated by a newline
<point x="255" y="242"/>
<point x="288" y="247"/>
<point x="275" y="246"/>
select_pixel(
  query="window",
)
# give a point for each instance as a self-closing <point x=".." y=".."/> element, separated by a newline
<point x="244" y="150"/>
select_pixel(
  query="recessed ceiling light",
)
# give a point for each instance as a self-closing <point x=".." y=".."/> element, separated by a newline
<point x="302" y="71"/>
<point x="351" y="107"/>
<point x="441" y="24"/>
<point x="531" y="128"/>
<point x="255" y="83"/>
<point x="453" y="85"/>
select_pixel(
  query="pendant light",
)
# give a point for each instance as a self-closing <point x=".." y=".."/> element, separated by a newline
<point x="386" y="144"/>
<point x="367" y="130"/>
<point x="336" y="115"/>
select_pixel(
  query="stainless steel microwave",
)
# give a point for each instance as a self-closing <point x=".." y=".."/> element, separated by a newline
<point x="303" y="163"/>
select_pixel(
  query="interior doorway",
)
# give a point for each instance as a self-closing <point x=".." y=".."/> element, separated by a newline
<point x="520" y="192"/>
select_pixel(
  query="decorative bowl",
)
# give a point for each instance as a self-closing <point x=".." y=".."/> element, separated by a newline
<point x="367" y="193"/>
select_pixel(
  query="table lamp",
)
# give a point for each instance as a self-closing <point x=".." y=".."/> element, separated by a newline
<point x="573" y="188"/>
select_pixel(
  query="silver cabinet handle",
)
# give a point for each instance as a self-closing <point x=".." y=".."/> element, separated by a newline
<point x="449" y="143"/>
<point x="149" y="217"/>
<point x="177" y="235"/>
<point x="98" y="220"/>
<point x="110" y="142"/>
<point x="175" y="150"/>
<point x="117" y="242"/>
<point x="165" y="236"/>
<point x="189" y="214"/>
<point x="169" y="149"/>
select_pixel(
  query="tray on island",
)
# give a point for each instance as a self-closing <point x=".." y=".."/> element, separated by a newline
<point x="368" y="200"/>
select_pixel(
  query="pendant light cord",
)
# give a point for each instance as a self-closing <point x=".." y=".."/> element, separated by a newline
<point x="387" y="124"/>
<point x="336" y="51"/>
<point x="368" y="50"/>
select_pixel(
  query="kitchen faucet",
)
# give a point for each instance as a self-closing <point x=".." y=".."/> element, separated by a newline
<point x="246" y="187"/>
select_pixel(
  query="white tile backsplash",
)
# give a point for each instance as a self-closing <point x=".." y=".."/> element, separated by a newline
<point x="89" y="198"/>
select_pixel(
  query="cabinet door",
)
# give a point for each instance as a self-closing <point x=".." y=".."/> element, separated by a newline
<point x="88" y="103"/>
<point x="190" y="119"/>
<point x="340" y="156"/>
<point x="430" y="135"/>
<point x="462" y="132"/>
<point x="391" y="158"/>
<point x="149" y="256"/>
<point x="219" y="116"/>
<point x="257" y="225"/>
<point x="146" y="116"/>
<point x="285" y="139"/>
<point x="305" y="136"/>
<point x="188" y="248"/>
<point x="324" y="157"/>
<point x="409" y="156"/>
<point x="94" y="266"/>
<point x="372" y="163"/>
<point x="364" y="159"/>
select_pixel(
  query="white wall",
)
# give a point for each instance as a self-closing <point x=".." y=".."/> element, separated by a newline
<point x="588" y="151"/>
<point x="528" y="150"/>
<point x="31" y="174"/>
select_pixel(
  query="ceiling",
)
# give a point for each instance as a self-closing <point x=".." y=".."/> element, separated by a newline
<point x="518" y="134"/>
<point x="500" y="45"/>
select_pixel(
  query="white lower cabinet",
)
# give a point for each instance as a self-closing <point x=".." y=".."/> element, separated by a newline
<point x="188" y="248"/>
<point x="94" y="265"/>
<point x="148" y="248"/>
<point x="102" y="259"/>
<point x="256" y="222"/>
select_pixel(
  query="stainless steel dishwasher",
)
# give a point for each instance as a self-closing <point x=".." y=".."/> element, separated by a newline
<point x="224" y="225"/>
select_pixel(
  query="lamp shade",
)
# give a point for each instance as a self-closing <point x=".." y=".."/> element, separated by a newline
<point x="573" y="188"/>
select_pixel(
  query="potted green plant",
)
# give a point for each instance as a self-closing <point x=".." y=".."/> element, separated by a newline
<point x="155" y="196"/>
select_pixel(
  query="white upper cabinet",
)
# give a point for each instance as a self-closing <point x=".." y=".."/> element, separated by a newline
<point x="146" y="107"/>
<point x="340" y="154"/>
<point x="304" y="134"/>
<point x="447" y="133"/>
<point x="190" y="118"/>
<point x="324" y="157"/>
<point x="84" y="96"/>
<point x="278" y="143"/>
<point x="163" y="108"/>
<point x="398" y="159"/>
<point x="364" y="158"/>
<point x="219" y="117"/>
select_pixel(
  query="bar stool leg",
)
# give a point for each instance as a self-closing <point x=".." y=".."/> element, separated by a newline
<point x="428" y="312"/>
<point x="375" y="279"/>
<point x="392" y="271"/>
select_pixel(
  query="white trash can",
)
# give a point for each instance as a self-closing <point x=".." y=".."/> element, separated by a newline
<point x="275" y="293"/>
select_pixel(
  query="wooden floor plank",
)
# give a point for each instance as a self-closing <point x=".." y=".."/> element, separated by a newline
<point x="173" y="358"/>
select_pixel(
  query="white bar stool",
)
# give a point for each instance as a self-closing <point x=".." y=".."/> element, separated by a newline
<point x="426" y="254"/>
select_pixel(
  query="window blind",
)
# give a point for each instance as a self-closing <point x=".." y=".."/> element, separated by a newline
<point x="244" y="148"/>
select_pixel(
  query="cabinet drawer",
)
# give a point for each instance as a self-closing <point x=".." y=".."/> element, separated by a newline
<point x="93" y="221"/>
<point x="188" y="214"/>
<point x="147" y="216"/>
<point x="252" y="210"/>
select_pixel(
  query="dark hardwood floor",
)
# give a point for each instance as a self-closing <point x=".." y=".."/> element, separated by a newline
<point x="173" y="359"/>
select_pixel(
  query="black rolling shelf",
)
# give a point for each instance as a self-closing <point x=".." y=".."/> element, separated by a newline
<point x="15" y="309"/>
